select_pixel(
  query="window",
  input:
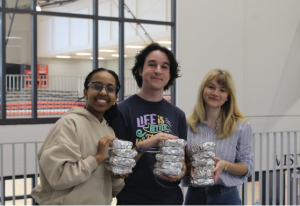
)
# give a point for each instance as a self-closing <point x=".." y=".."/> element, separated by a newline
<point x="48" y="48"/>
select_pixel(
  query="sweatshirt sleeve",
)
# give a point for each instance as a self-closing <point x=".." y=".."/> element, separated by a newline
<point x="117" y="186"/>
<point x="62" y="162"/>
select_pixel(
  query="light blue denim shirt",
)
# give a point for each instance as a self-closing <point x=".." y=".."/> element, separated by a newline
<point x="236" y="148"/>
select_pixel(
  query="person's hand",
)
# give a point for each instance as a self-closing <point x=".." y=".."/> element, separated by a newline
<point x="153" y="141"/>
<point x="103" y="145"/>
<point x="174" y="178"/>
<point x="220" y="165"/>
<point x="121" y="176"/>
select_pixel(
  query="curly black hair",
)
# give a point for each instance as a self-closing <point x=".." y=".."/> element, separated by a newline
<point x="140" y="61"/>
<point x="112" y="112"/>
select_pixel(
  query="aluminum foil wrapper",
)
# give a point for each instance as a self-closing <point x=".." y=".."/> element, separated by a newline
<point x="172" y="143"/>
<point x="172" y="150"/>
<point x="115" y="160"/>
<point x="168" y="164"/>
<point x="118" y="169"/>
<point x="169" y="158"/>
<point x="128" y="153"/>
<point x="121" y="144"/>
<point x="203" y="173"/>
<point x="167" y="171"/>
<point x="210" y="168"/>
<point x="203" y="155"/>
<point x="206" y="146"/>
<point x="202" y="182"/>
<point x="203" y="163"/>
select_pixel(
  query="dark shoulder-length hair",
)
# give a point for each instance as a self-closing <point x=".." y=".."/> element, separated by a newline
<point x="112" y="112"/>
<point x="140" y="61"/>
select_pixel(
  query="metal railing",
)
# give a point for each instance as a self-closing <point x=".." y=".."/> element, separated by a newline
<point x="27" y="166"/>
<point x="275" y="164"/>
<point x="274" y="181"/>
<point x="21" y="82"/>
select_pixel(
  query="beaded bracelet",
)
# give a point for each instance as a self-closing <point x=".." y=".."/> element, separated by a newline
<point x="143" y="150"/>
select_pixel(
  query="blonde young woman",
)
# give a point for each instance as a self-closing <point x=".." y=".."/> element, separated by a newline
<point x="217" y="118"/>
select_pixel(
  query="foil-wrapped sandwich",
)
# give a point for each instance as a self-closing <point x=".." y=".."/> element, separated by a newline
<point x="172" y="143"/>
<point x="128" y="153"/>
<point x="169" y="158"/>
<point x="210" y="168"/>
<point x="117" y="169"/>
<point x="203" y="155"/>
<point x="172" y="150"/>
<point x="115" y="160"/>
<point x="121" y="144"/>
<point x="206" y="146"/>
<point x="167" y="171"/>
<point x="202" y="182"/>
<point x="203" y="163"/>
<point x="168" y="164"/>
<point x="202" y="173"/>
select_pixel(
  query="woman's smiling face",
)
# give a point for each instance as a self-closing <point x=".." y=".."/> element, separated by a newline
<point x="214" y="94"/>
<point x="100" y="101"/>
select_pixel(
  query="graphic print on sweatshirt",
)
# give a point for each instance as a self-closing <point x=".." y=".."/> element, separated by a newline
<point x="151" y="124"/>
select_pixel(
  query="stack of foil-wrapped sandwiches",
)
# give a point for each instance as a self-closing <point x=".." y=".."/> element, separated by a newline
<point x="170" y="157"/>
<point x="203" y="164"/>
<point x="120" y="159"/>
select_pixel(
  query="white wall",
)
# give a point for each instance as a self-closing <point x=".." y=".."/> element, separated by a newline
<point x="258" y="42"/>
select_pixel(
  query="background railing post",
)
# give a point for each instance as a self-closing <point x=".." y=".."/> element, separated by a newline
<point x="295" y="170"/>
<point x="267" y="170"/>
<point x="13" y="173"/>
<point x="25" y="176"/>
<point x="281" y="170"/>
<point x="274" y="170"/>
<point x="260" y="169"/>
<point x="288" y="171"/>
<point x="2" y="194"/>
<point x="253" y="173"/>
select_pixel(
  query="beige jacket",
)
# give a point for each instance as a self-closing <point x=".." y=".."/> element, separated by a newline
<point x="69" y="174"/>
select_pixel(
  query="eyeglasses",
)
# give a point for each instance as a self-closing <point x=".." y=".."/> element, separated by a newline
<point x="99" y="86"/>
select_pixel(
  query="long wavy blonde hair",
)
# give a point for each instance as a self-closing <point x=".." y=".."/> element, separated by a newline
<point x="230" y="113"/>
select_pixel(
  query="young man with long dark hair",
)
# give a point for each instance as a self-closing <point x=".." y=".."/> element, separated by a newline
<point x="145" y="119"/>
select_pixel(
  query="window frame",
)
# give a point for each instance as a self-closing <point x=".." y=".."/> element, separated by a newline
<point x="95" y="18"/>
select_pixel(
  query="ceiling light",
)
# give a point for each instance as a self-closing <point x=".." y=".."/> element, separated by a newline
<point x="13" y="37"/>
<point x="116" y="55"/>
<point x="169" y="48"/>
<point x="84" y="54"/>
<point x="38" y="8"/>
<point x="98" y="58"/>
<point x="134" y="47"/>
<point x="64" y="57"/>
<point x="164" y="42"/>
<point x="106" y="50"/>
